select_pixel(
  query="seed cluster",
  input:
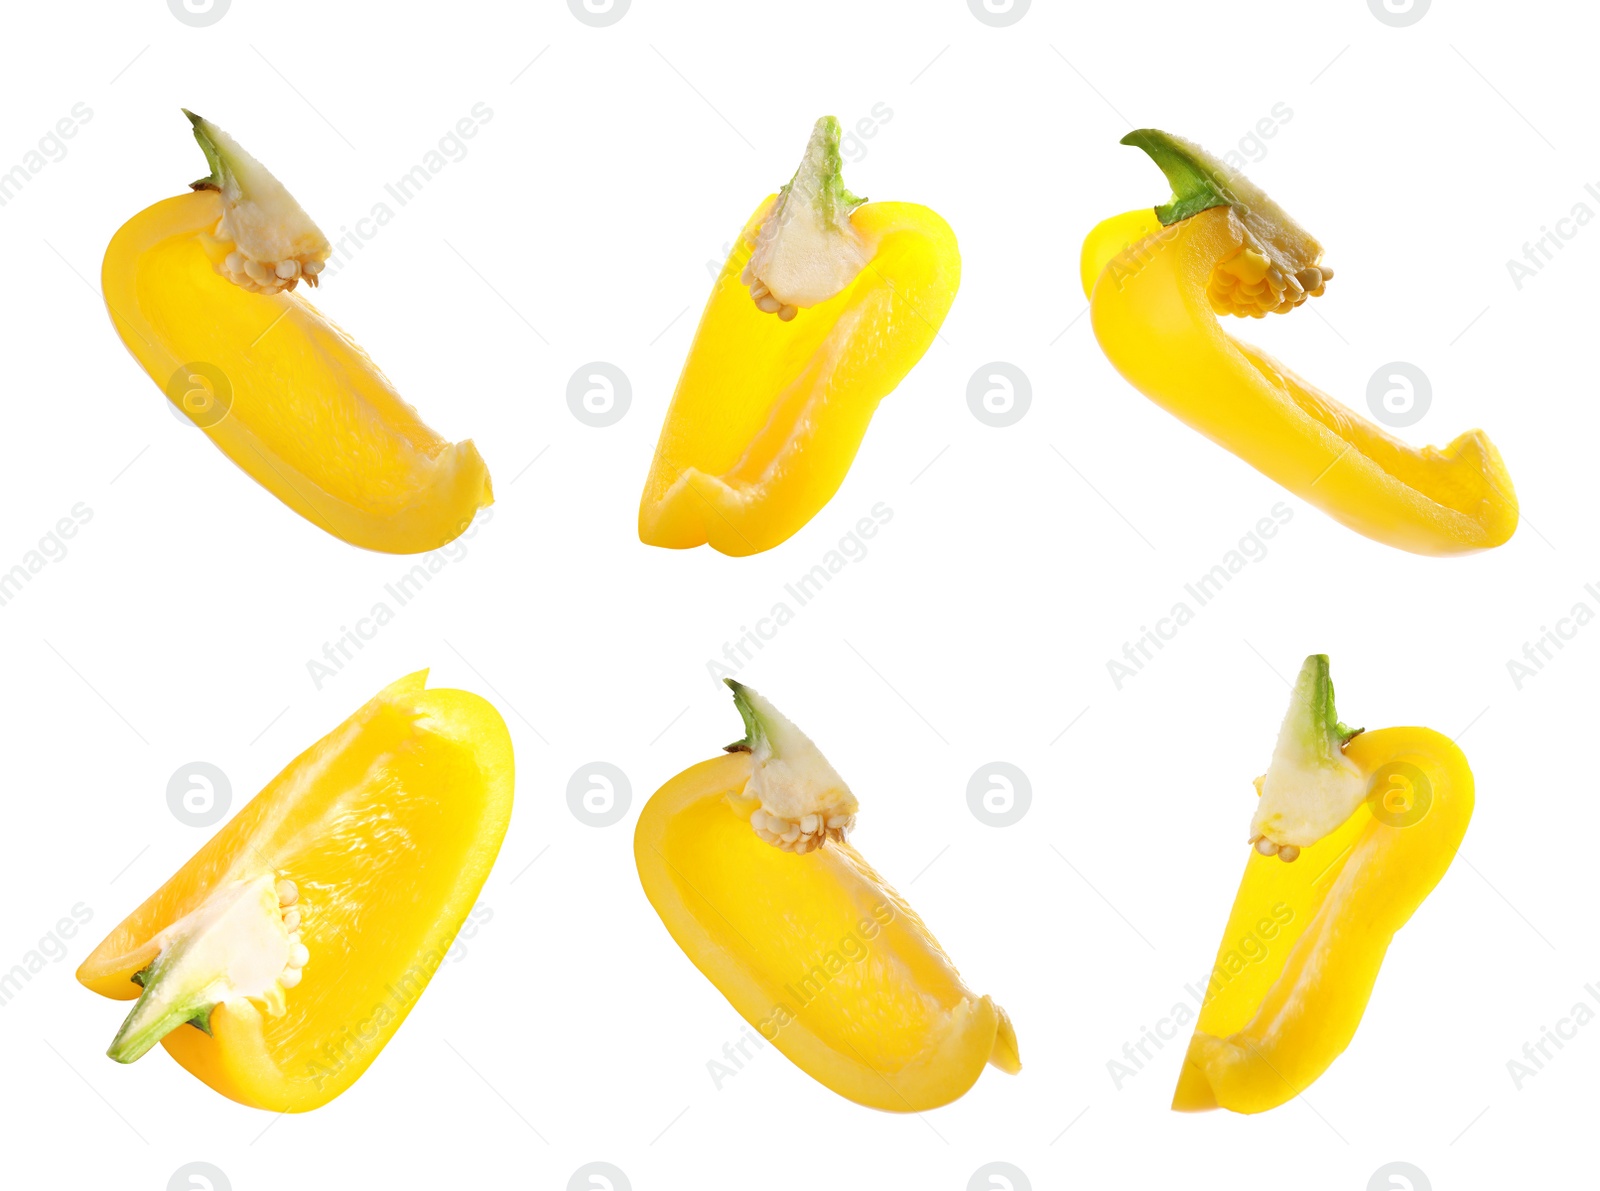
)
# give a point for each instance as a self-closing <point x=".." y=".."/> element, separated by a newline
<point x="299" y="954"/>
<point x="266" y="277"/>
<point x="800" y="835"/>
<point x="1251" y="285"/>
<point x="1287" y="853"/>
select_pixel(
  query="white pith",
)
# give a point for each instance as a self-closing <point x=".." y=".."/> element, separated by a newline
<point x="803" y="801"/>
<point x="271" y="244"/>
<point x="243" y="943"/>
<point x="800" y="259"/>
<point x="1311" y="787"/>
<point x="1301" y="805"/>
<point x="805" y="250"/>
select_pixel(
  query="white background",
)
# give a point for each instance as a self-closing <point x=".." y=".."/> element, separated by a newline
<point x="977" y="628"/>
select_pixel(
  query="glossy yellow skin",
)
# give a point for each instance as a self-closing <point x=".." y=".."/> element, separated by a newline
<point x="311" y="418"/>
<point x="886" y="1021"/>
<point x="1275" y="1021"/>
<point x="388" y="826"/>
<point x="768" y="415"/>
<point x="1147" y="290"/>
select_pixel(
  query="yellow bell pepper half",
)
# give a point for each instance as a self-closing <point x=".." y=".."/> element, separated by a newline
<point x="281" y="958"/>
<point x="201" y="289"/>
<point x="823" y="306"/>
<point x="744" y="857"/>
<point x="1157" y="279"/>
<point x="1304" y="942"/>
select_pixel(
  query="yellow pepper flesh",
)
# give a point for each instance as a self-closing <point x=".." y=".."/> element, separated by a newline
<point x="815" y="951"/>
<point x="768" y="415"/>
<point x="1151" y="314"/>
<point x="308" y="415"/>
<point x="388" y="827"/>
<point x="1271" y="1025"/>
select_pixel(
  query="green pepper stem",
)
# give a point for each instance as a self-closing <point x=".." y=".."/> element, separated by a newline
<point x="157" y="1013"/>
<point x="754" y="733"/>
<point x="1317" y="730"/>
<point x="220" y="173"/>
<point x="819" y="180"/>
<point x="1197" y="179"/>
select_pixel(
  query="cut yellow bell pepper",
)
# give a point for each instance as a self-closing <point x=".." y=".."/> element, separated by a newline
<point x="1304" y="942"/>
<point x="744" y="858"/>
<point x="822" y="308"/>
<point x="282" y="957"/>
<point x="1157" y="279"/>
<point x="201" y="289"/>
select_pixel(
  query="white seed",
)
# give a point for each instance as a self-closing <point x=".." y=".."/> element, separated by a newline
<point x="291" y="919"/>
<point x="811" y="824"/>
<point x="838" y="821"/>
<point x="1266" y="847"/>
<point x="234" y="262"/>
<point x="299" y="955"/>
<point x="288" y="894"/>
<point x="290" y="977"/>
<point x="256" y="270"/>
<point x="788" y="312"/>
<point x="1289" y="853"/>
<point x="769" y="304"/>
<point x="312" y="268"/>
<point x="288" y="269"/>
